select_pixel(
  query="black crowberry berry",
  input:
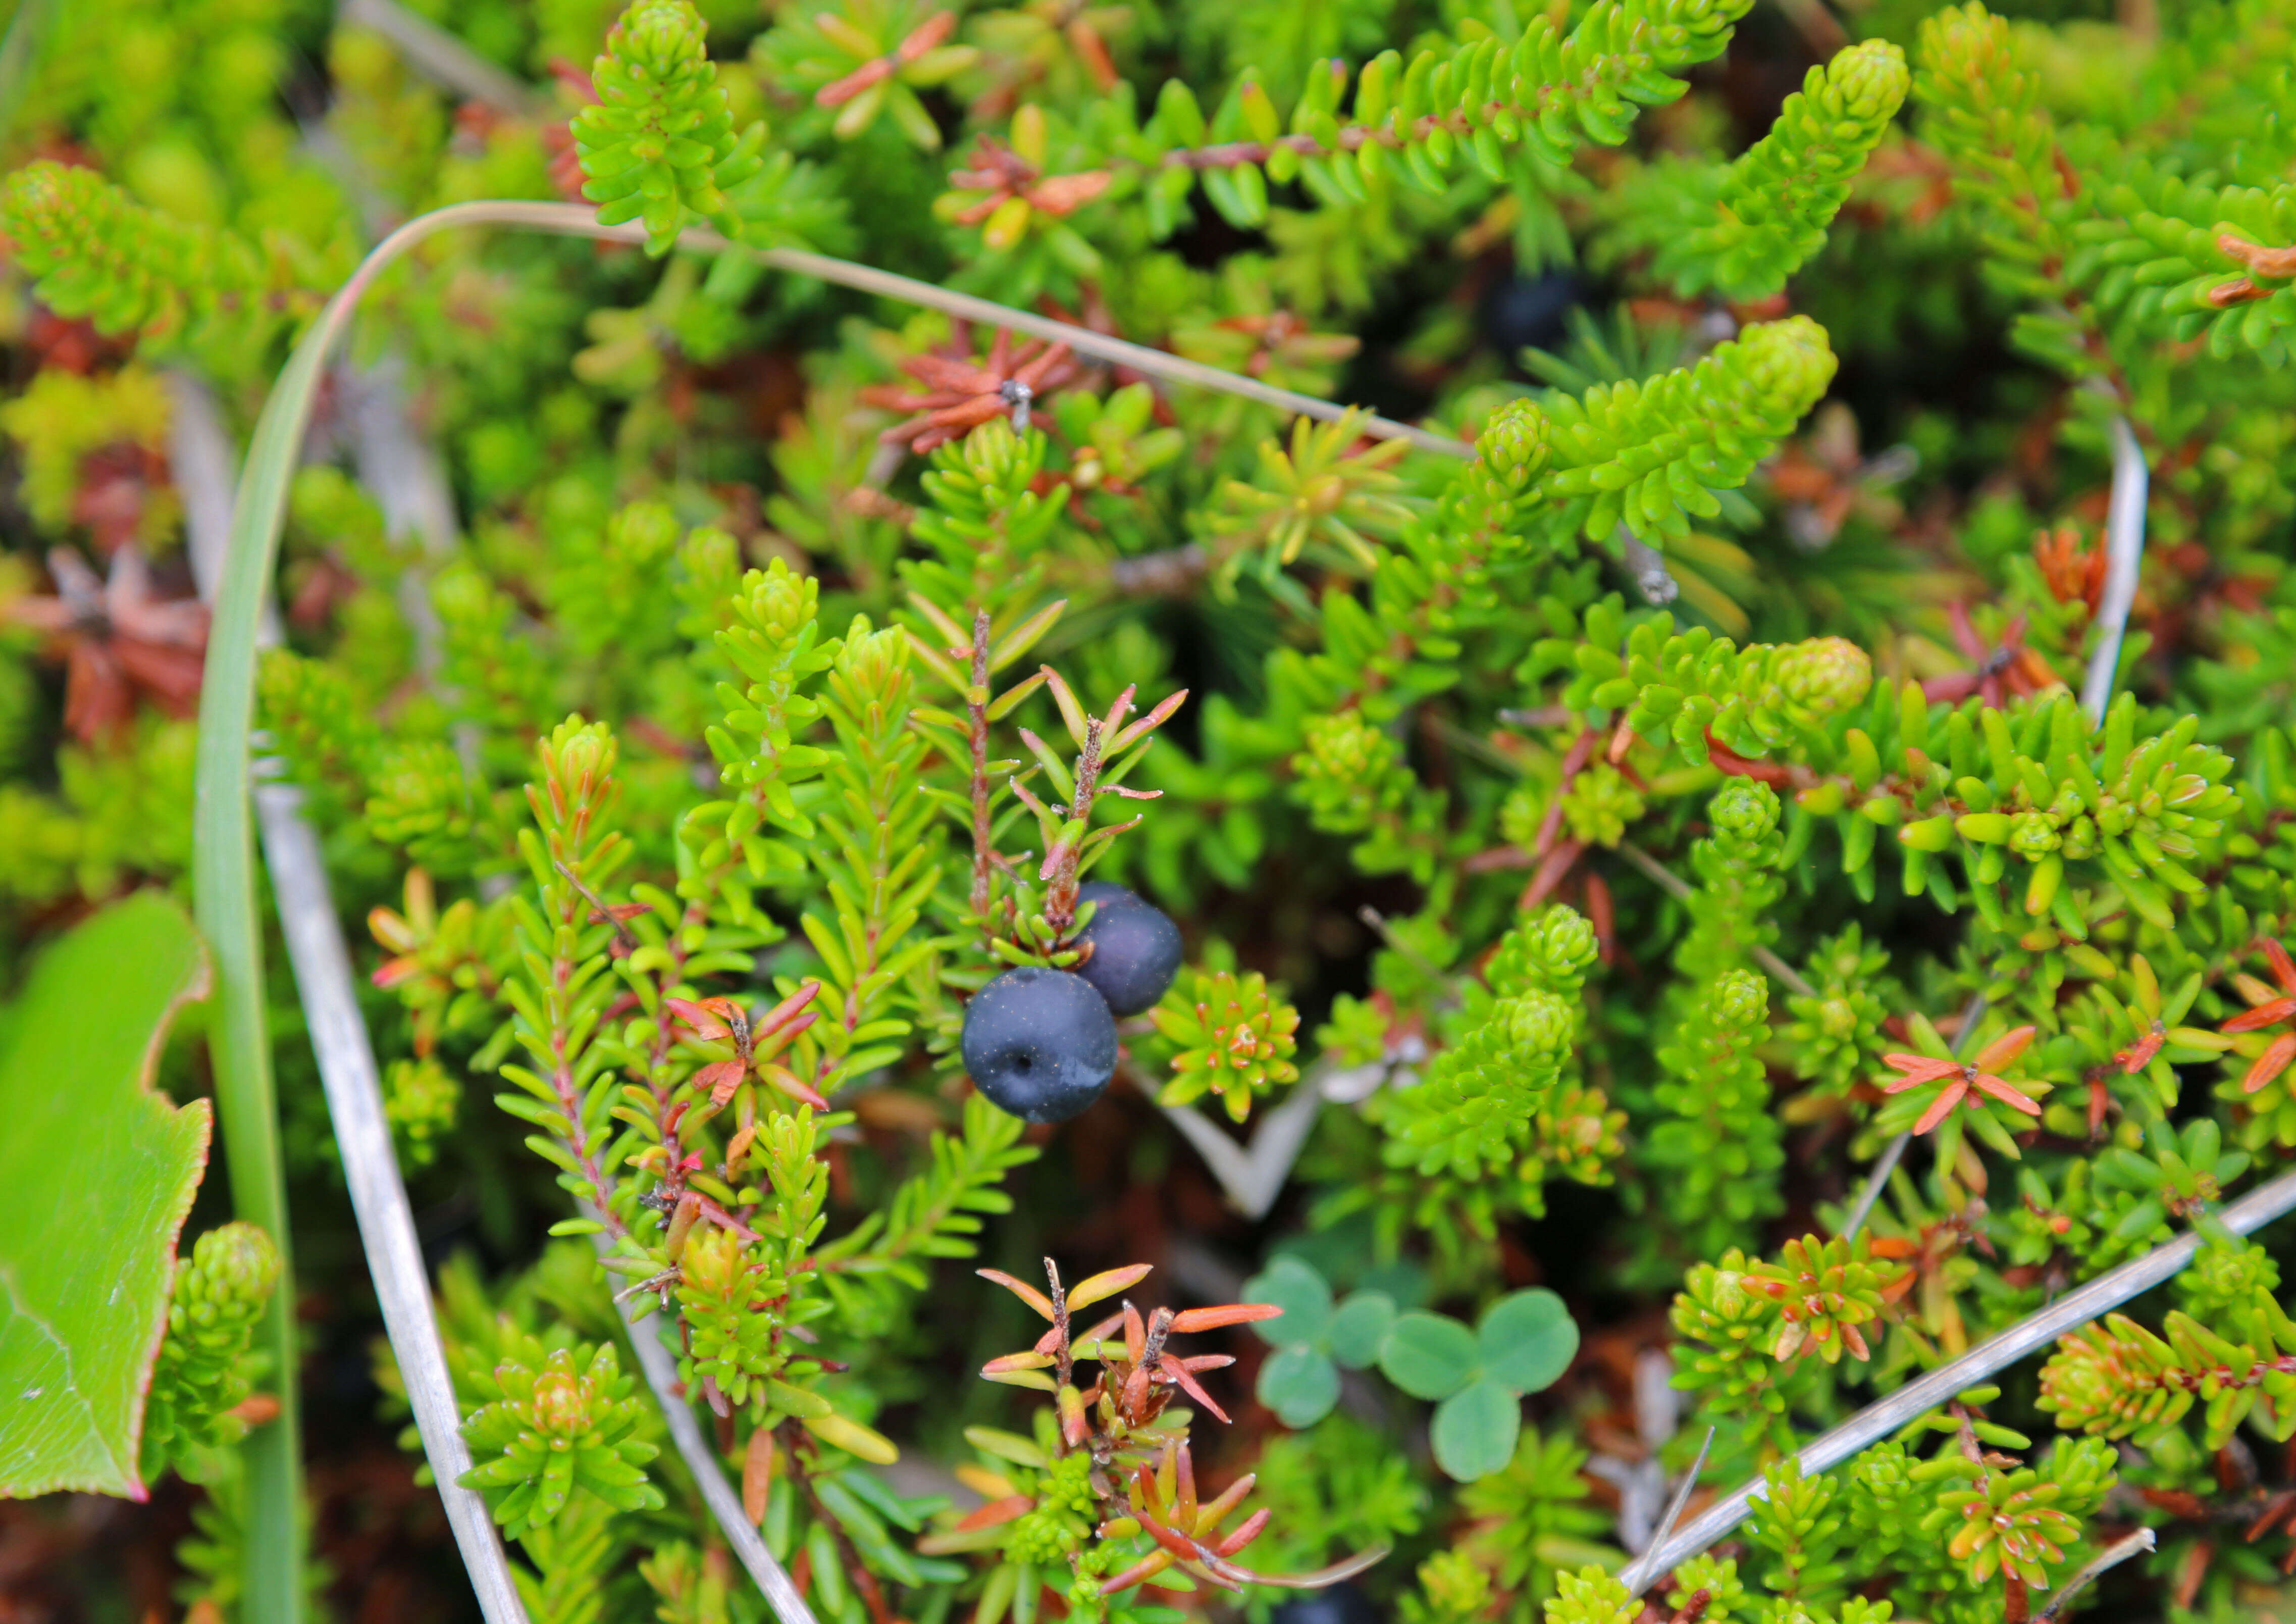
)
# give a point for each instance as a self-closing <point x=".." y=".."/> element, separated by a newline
<point x="1340" y="1604"/>
<point x="1136" y="950"/>
<point x="1040" y="1043"/>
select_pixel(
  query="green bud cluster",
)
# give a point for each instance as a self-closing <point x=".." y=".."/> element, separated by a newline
<point x="1835" y="1035"/>
<point x="1234" y="1037"/>
<point x="1552" y="951"/>
<point x="1688" y="685"/>
<point x="1716" y="1152"/>
<point x="128" y="267"/>
<point x="1591" y="1596"/>
<point x="1065" y="1512"/>
<point x="1472" y="1113"/>
<point x="659" y="143"/>
<point x="568" y="1426"/>
<point x="1353" y="780"/>
<point x="1742" y="229"/>
<point x="421" y="1100"/>
<point x="734" y="1338"/>
<point x="204" y="1368"/>
<point x="1737" y="866"/>
<point x="2224" y="1279"/>
<point x="1601" y="805"/>
<point x="1650" y="457"/>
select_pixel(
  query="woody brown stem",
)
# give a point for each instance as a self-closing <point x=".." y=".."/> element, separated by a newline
<point x="1066" y="1357"/>
<point x="1061" y="899"/>
<point x="2016" y="1606"/>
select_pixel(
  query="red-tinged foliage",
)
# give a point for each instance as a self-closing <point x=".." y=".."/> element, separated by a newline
<point x="959" y="394"/>
<point x="117" y="638"/>
<point x="2268" y="1011"/>
<point x="1964" y="1079"/>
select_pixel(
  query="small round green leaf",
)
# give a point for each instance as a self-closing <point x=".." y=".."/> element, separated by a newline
<point x="1296" y="1288"/>
<point x="1299" y="1384"/>
<point x="1527" y="1340"/>
<point x="1475" y="1430"/>
<point x="1359" y="1327"/>
<point x="1428" y="1357"/>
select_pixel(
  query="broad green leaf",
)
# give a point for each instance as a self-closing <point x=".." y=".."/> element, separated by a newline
<point x="99" y="1172"/>
<point x="1359" y="1327"/>
<point x="1527" y="1340"/>
<point x="1299" y="1384"/>
<point x="1428" y="1356"/>
<point x="1474" y="1431"/>
<point x="1296" y="1288"/>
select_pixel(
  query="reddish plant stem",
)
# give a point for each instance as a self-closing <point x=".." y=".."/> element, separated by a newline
<point x="1060" y="898"/>
<point x="562" y="1077"/>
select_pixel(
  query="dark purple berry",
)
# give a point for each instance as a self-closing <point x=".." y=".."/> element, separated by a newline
<point x="1340" y="1604"/>
<point x="1529" y="312"/>
<point x="1040" y="1043"/>
<point x="1136" y="950"/>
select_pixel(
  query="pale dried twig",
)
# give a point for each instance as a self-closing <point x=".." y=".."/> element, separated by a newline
<point x="2110" y="1557"/>
<point x="1635" y="1579"/>
<point x="1674" y="885"/>
<point x="2124" y="554"/>
<point x="443" y="59"/>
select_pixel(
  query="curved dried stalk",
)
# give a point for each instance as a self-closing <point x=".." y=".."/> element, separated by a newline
<point x="2110" y="1557"/>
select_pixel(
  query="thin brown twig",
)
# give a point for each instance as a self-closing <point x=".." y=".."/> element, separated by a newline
<point x="2110" y="1557"/>
<point x="606" y="915"/>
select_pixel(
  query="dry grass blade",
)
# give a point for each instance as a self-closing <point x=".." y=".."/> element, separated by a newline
<point x="444" y="60"/>
<point x="2108" y="1559"/>
<point x="201" y="459"/>
<point x="1633" y="1578"/>
<point x="2124" y="552"/>
<point x="1674" y="885"/>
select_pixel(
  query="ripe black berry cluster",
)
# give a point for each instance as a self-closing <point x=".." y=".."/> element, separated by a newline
<point x="1041" y="1044"/>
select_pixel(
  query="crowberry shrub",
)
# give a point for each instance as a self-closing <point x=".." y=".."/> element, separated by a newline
<point x="1725" y="849"/>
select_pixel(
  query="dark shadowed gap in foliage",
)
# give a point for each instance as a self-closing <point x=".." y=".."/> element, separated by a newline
<point x="1209" y="238"/>
<point x="1518" y="312"/>
<point x="1583" y="1275"/>
<point x="1372" y="378"/>
<point x="1765" y="64"/>
<point x="88" y="1558"/>
<point x="1942" y="345"/>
